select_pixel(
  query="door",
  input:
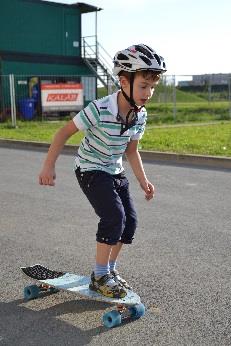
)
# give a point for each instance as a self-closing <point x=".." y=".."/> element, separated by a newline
<point x="72" y="35"/>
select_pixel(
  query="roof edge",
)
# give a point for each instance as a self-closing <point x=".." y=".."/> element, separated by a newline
<point x="82" y="6"/>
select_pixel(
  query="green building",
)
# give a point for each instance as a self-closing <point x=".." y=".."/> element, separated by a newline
<point x="42" y="42"/>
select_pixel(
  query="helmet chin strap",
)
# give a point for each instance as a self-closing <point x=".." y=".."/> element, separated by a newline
<point x="134" y="108"/>
<point x="130" y="99"/>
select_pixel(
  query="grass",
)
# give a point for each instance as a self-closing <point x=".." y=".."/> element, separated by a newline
<point x="190" y="107"/>
<point x="188" y="112"/>
<point x="204" y="140"/>
<point x="35" y="131"/>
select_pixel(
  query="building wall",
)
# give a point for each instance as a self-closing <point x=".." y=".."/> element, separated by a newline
<point x="25" y="68"/>
<point x="221" y="79"/>
<point x="40" y="39"/>
<point x="37" y="27"/>
<point x="215" y="78"/>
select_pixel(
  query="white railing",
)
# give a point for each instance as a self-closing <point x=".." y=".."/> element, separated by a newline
<point x="99" y="59"/>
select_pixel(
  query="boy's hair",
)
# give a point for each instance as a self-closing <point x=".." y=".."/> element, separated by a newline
<point x="147" y="74"/>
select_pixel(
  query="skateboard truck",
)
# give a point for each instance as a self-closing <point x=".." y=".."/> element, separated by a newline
<point x="114" y="318"/>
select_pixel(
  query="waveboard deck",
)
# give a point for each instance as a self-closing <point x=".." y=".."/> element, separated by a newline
<point x="50" y="280"/>
<point x="74" y="283"/>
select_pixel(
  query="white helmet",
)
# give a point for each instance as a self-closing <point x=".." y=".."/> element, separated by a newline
<point x="136" y="58"/>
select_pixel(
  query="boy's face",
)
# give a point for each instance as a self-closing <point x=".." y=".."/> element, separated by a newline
<point x="143" y="88"/>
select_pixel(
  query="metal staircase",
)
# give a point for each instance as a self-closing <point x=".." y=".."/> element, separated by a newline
<point x="99" y="61"/>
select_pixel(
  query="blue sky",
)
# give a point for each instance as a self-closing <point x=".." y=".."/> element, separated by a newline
<point x="192" y="35"/>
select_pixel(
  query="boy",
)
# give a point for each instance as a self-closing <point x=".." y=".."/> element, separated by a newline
<point x="113" y="126"/>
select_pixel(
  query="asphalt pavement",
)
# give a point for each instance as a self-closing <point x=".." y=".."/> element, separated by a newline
<point x="180" y="262"/>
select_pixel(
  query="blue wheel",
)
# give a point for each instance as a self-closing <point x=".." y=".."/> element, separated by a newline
<point x="112" y="319"/>
<point x="31" y="292"/>
<point x="137" y="311"/>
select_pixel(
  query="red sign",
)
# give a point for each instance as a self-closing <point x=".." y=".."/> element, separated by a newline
<point x="59" y="97"/>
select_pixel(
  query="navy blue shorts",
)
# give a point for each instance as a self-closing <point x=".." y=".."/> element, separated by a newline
<point x="109" y="196"/>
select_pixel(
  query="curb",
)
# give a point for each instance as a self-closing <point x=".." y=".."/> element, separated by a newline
<point x="218" y="162"/>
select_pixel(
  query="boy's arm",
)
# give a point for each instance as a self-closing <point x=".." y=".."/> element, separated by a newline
<point x="134" y="159"/>
<point x="47" y="174"/>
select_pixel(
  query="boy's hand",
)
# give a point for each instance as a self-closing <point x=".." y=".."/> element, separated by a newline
<point x="148" y="189"/>
<point x="47" y="176"/>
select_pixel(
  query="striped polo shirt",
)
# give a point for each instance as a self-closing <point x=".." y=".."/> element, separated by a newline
<point x="103" y="145"/>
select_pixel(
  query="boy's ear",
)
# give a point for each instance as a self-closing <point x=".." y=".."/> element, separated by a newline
<point x="123" y="81"/>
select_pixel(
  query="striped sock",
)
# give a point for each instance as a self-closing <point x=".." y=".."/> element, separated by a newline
<point x="101" y="270"/>
<point x="112" y="265"/>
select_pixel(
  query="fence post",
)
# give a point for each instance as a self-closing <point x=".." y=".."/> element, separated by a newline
<point x="229" y="85"/>
<point x="174" y="97"/>
<point x="12" y="100"/>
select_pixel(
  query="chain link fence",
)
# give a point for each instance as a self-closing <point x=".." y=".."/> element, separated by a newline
<point x="189" y="98"/>
<point x="176" y="99"/>
<point x="43" y="97"/>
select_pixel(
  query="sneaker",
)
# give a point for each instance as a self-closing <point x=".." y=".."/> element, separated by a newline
<point x="106" y="286"/>
<point x="119" y="280"/>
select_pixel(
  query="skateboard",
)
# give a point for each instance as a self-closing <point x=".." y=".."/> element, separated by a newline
<point x="52" y="281"/>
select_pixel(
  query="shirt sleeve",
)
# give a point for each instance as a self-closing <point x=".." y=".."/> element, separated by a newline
<point x="87" y="117"/>
<point x="141" y="127"/>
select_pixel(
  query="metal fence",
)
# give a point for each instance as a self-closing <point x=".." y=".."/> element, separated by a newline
<point x="176" y="98"/>
<point x="187" y="98"/>
<point x="24" y="97"/>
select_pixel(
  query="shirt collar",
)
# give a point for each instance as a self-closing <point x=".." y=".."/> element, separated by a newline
<point x="113" y="103"/>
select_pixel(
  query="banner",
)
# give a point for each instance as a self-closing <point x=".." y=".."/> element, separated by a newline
<point x="61" y="97"/>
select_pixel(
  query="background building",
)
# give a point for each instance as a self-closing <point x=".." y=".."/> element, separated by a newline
<point x="41" y="42"/>
<point x="219" y="81"/>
